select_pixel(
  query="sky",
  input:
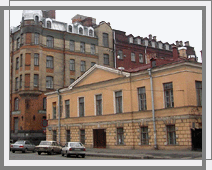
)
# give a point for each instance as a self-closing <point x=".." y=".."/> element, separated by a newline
<point x="167" y="25"/>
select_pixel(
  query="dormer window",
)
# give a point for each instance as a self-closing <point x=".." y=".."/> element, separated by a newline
<point x="138" y="41"/>
<point x="160" y="45"/>
<point x="153" y="44"/>
<point x="130" y="39"/>
<point x="36" y="19"/>
<point x="146" y="42"/>
<point x="80" y="31"/>
<point x="70" y="28"/>
<point x="91" y="33"/>
<point x="48" y="24"/>
<point x="167" y="47"/>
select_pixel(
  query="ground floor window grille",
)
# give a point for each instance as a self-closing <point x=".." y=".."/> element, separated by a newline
<point x="144" y="136"/>
<point x="68" y="136"/>
<point x="120" y="136"/>
<point x="82" y="136"/>
<point x="54" y="135"/>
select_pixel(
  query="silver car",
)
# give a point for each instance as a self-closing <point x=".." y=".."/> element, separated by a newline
<point x="22" y="145"/>
<point x="49" y="147"/>
<point x="73" y="148"/>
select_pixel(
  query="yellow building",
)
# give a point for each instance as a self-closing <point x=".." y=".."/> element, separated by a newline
<point x="158" y="107"/>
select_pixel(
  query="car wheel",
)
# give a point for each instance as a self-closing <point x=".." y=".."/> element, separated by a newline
<point x="39" y="153"/>
<point x="83" y="156"/>
<point x="25" y="150"/>
<point x="51" y="152"/>
<point x="13" y="151"/>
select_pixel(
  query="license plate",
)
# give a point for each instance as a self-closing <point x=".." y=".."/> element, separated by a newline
<point x="77" y="149"/>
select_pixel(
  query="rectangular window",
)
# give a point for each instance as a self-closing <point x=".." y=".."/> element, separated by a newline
<point x="36" y="59"/>
<point x="99" y="104"/>
<point x="171" y="134"/>
<point x="82" y="136"/>
<point x="144" y="136"/>
<point x="36" y="79"/>
<point x="141" y="58"/>
<point x="54" y="110"/>
<point x="168" y="95"/>
<point x="120" y="136"/>
<point x="36" y="38"/>
<point x="20" y="81"/>
<point x="81" y="107"/>
<point x="82" y="68"/>
<point x="18" y="43"/>
<point x="17" y="63"/>
<point x="142" y="98"/>
<point x="50" y="41"/>
<point x="67" y="108"/>
<point x="199" y="93"/>
<point x="92" y="49"/>
<point x="54" y="135"/>
<point x="118" y="100"/>
<point x="130" y="39"/>
<point x="49" y="82"/>
<point x="72" y="64"/>
<point x="72" y="80"/>
<point x="49" y="62"/>
<point x="22" y="39"/>
<point x="44" y="103"/>
<point x="16" y="83"/>
<point x="72" y="45"/>
<point x="106" y="59"/>
<point x="68" y="136"/>
<point x="92" y="64"/>
<point x="82" y="47"/>
<point x="21" y="60"/>
<point x="133" y="57"/>
<point x="120" y="54"/>
<point x="105" y="40"/>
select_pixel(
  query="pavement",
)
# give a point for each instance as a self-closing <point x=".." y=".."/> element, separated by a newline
<point x="144" y="154"/>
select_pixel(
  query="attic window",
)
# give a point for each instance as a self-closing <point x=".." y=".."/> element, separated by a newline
<point x="130" y="39"/>
<point x="146" y="42"/>
<point x="48" y="24"/>
<point x="138" y="41"/>
<point x="80" y="31"/>
<point x="160" y="45"/>
<point x="90" y="32"/>
<point x="153" y="44"/>
<point x="167" y="47"/>
<point x="70" y="28"/>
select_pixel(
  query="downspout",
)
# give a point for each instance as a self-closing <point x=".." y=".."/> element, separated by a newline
<point x="58" y="92"/>
<point x="153" y="109"/>
<point x="114" y="48"/>
<point x="145" y="54"/>
<point x="64" y="45"/>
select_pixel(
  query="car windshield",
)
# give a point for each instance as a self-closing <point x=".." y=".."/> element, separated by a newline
<point x="45" y="143"/>
<point x="76" y="145"/>
<point x="19" y="142"/>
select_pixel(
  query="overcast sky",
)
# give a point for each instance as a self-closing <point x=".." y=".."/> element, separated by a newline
<point x="167" y="25"/>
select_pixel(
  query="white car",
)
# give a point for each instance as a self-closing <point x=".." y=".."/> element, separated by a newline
<point x="22" y="145"/>
<point x="73" y="148"/>
<point x="49" y="147"/>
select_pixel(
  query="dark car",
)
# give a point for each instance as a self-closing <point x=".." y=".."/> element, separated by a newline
<point x="22" y="145"/>
<point x="49" y="147"/>
<point x="73" y="148"/>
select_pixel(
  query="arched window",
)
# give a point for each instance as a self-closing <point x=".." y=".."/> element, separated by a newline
<point x="90" y="32"/>
<point x="48" y="24"/>
<point x="36" y="19"/>
<point x="16" y="103"/>
<point x="80" y="31"/>
<point x="70" y="28"/>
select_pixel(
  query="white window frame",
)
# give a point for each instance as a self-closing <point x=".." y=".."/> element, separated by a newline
<point x="131" y="40"/>
<point x="114" y="100"/>
<point x="78" y="114"/>
<point x="95" y="104"/>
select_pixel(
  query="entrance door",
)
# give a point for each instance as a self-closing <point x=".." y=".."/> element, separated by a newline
<point x="196" y="135"/>
<point x="99" y="138"/>
<point x="16" y="124"/>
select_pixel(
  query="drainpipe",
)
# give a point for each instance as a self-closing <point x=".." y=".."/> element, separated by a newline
<point x="145" y="54"/>
<point x="114" y="49"/>
<point x="153" y="109"/>
<point x="58" y="92"/>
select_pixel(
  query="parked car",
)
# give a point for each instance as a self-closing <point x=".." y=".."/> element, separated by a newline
<point x="22" y="145"/>
<point x="49" y="147"/>
<point x="73" y="148"/>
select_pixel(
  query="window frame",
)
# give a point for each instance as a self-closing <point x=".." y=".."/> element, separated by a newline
<point x="93" y="49"/>
<point x="51" y="84"/>
<point x="141" y="91"/>
<point x="49" y="61"/>
<point x="198" y="92"/>
<point x="16" y="83"/>
<point x="20" y="84"/>
<point x="141" y="58"/>
<point x="72" y="65"/>
<point x="82" y="47"/>
<point x="170" y="95"/>
<point x="144" y="132"/>
<point x="81" y="104"/>
<point x="105" y="39"/>
<point x="36" y="80"/>
<point x="72" y="45"/>
<point x="36" y="38"/>
<point x="82" y="66"/>
<point x="67" y="108"/>
<point x="44" y="103"/>
<point x="98" y="105"/>
<point x="54" y="110"/>
<point x="82" y="136"/>
<point x="106" y="59"/>
<point x="171" y="141"/>
<point x="68" y="135"/>
<point x="17" y="63"/>
<point x="120" y="133"/>
<point x="49" y="41"/>
<point x="118" y="102"/>
<point x="36" y="59"/>
<point x="54" y="136"/>
<point x="133" y="59"/>
<point x="21" y="60"/>
<point x="16" y="104"/>
<point x="120" y="54"/>
<point x="18" y="43"/>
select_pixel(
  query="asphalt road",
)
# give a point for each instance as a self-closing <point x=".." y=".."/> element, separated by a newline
<point x="34" y="156"/>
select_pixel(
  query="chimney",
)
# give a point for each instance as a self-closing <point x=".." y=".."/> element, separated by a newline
<point x="177" y="43"/>
<point x="175" y="52"/>
<point x="154" y="37"/>
<point x="150" y="36"/>
<point x="187" y="43"/>
<point x="181" y="43"/>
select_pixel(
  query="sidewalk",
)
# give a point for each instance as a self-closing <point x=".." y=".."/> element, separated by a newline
<point x="143" y="154"/>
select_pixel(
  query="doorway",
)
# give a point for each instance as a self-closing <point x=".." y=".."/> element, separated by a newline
<point x="196" y="135"/>
<point x="99" y="138"/>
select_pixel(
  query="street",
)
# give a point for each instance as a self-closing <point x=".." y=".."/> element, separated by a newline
<point x="34" y="156"/>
